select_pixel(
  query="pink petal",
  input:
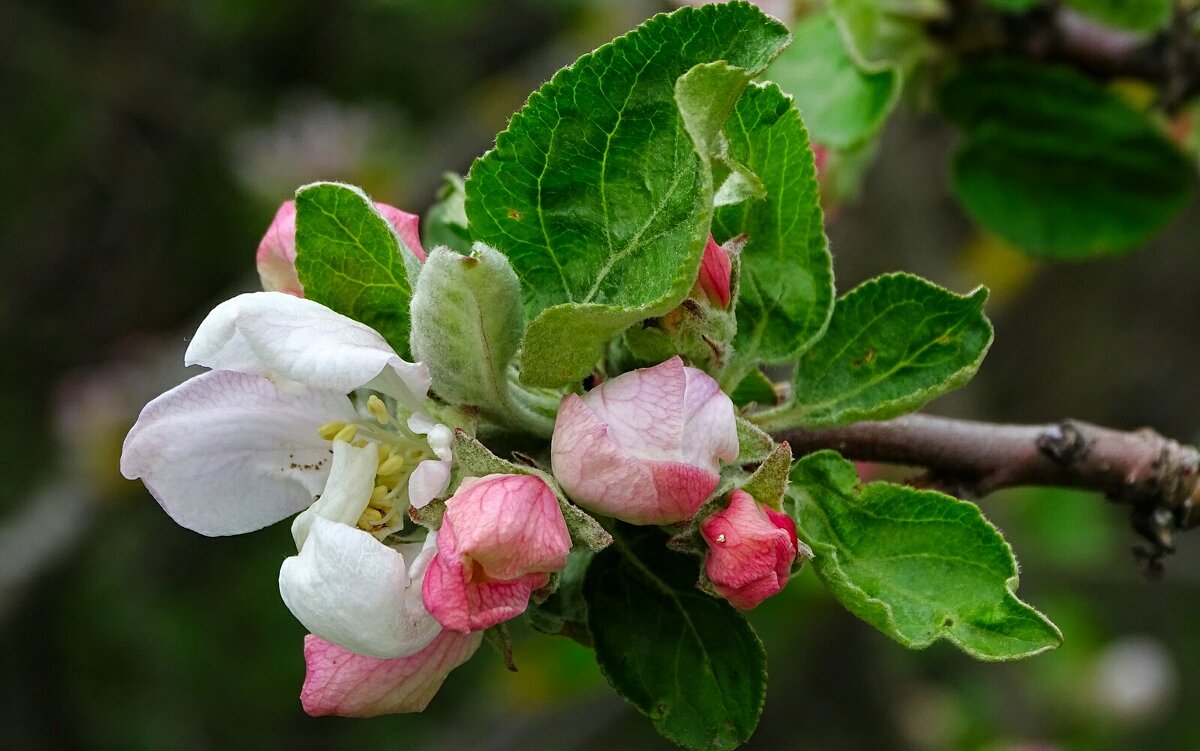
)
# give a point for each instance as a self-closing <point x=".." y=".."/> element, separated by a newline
<point x="750" y="551"/>
<point x="276" y="257"/>
<point x="510" y="525"/>
<point x="339" y="682"/>
<point x="407" y="226"/>
<point x="500" y="537"/>
<point x="462" y="604"/>
<point x="644" y="409"/>
<point x="645" y="447"/>
<point x="710" y="425"/>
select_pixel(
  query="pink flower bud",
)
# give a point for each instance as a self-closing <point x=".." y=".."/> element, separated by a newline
<point x="646" y="446"/>
<point x="500" y="538"/>
<point x="276" y="258"/>
<point x="751" y="549"/>
<point x="713" y="280"/>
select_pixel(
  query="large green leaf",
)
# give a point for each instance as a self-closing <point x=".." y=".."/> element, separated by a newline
<point x="916" y="564"/>
<point x="1058" y="165"/>
<point x="689" y="661"/>
<point x="350" y="259"/>
<point x="1134" y="15"/>
<point x="600" y="191"/>
<point x="786" y="283"/>
<point x="841" y="103"/>
<point x="894" y="343"/>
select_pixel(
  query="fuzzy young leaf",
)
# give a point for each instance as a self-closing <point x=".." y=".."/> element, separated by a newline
<point x="786" y="282"/>
<point x="841" y="103"/>
<point x="466" y="326"/>
<point x="1057" y="165"/>
<point x="688" y="661"/>
<point x="916" y="564"/>
<point x="895" y="343"/>
<point x="596" y="191"/>
<point x="350" y="259"/>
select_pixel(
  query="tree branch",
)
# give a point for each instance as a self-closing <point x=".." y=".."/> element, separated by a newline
<point x="1157" y="477"/>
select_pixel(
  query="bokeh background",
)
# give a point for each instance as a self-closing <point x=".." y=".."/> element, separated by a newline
<point x="146" y="146"/>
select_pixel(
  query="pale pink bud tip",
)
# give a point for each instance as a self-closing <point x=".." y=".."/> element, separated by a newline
<point x="646" y="446"/>
<point x="751" y="550"/>
<point x="715" y="272"/>
<point x="501" y="537"/>
<point x="276" y="257"/>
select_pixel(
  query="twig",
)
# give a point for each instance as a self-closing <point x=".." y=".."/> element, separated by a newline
<point x="1157" y="477"/>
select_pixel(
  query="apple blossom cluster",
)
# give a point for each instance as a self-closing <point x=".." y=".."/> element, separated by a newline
<point x="406" y="553"/>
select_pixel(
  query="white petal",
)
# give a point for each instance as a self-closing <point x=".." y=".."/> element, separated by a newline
<point x="347" y="491"/>
<point x="349" y="588"/>
<point x="299" y="341"/>
<point x="428" y="481"/>
<point x="226" y="453"/>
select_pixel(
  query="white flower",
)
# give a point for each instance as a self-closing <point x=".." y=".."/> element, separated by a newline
<point x="304" y="405"/>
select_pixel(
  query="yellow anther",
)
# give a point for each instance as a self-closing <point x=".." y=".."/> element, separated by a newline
<point x="329" y="430"/>
<point x="378" y="410"/>
<point x="347" y="433"/>
<point x="385" y="450"/>
<point x="391" y="465"/>
<point x="371" y="516"/>
<point x="378" y="494"/>
<point x="361" y="443"/>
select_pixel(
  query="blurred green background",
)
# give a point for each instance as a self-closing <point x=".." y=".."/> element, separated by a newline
<point x="147" y="144"/>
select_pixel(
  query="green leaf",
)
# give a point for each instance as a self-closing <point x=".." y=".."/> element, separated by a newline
<point x="349" y="259"/>
<point x="916" y="564"/>
<point x="564" y="613"/>
<point x="1058" y="165"/>
<point x="598" y="193"/>
<point x="755" y="388"/>
<point x="786" y="282"/>
<point x="895" y="343"/>
<point x="841" y="103"/>
<point x="688" y="661"/>
<point x="883" y="33"/>
<point x="446" y="220"/>
<point x="1133" y="15"/>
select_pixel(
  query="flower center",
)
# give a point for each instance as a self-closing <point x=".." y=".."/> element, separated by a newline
<point x="400" y="451"/>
